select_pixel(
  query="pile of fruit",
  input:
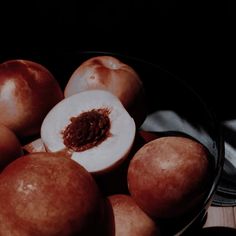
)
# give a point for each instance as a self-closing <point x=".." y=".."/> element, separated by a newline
<point x="74" y="161"/>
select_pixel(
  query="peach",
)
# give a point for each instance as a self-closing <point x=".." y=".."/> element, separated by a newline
<point x="10" y="147"/>
<point x="130" y="219"/>
<point x="111" y="74"/>
<point x="169" y="176"/>
<point x="91" y="127"/>
<point x="45" y="194"/>
<point x="27" y="92"/>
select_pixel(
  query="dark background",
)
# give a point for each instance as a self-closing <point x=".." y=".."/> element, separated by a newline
<point x="194" y="40"/>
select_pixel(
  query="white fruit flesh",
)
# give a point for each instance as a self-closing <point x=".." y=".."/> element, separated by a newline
<point x="34" y="146"/>
<point x="110" y="151"/>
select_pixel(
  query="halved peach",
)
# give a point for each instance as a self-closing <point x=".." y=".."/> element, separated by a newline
<point x="92" y="127"/>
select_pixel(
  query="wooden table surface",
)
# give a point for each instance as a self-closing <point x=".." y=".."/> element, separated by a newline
<point x="221" y="216"/>
<point x="220" y="221"/>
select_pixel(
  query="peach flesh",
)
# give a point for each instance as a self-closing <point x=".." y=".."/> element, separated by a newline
<point x="168" y="176"/>
<point x="34" y="146"/>
<point x="109" y="73"/>
<point x="10" y="147"/>
<point x="44" y="194"/>
<point x="27" y="92"/>
<point x="103" y="154"/>
<point x="130" y="219"/>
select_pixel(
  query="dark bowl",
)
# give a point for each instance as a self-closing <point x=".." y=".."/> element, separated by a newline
<point x="173" y="107"/>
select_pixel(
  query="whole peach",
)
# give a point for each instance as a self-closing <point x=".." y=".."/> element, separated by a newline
<point x="110" y="73"/>
<point x="168" y="176"/>
<point x="45" y="194"/>
<point x="27" y="92"/>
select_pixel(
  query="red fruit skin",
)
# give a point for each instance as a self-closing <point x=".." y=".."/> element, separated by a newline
<point x="169" y="176"/>
<point x="42" y="194"/>
<point x="130" y="219"/>
<point x="109" y="73"/>
<point x="27" y="92"/>
<point x="10" y="147"/>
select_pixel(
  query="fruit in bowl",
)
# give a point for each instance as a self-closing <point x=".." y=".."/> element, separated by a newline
<point x="94" y="129"/>
<point x="170" y="176"/>
<point x="43" y="194"/>
<point x="28" y="91"/>
<point x="111" y="74"/>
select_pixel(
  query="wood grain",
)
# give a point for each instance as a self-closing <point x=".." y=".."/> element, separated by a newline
<point x="221" y="216"/>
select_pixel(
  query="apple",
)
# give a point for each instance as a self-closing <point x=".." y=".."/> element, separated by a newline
<point x="10" y="147"/>
<point x="109" y="73"/>
<point x="27" y="92"/>
<point x="45" y="194"/>
<point x="169" y="176"/>
<point x="130" y="219"/>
